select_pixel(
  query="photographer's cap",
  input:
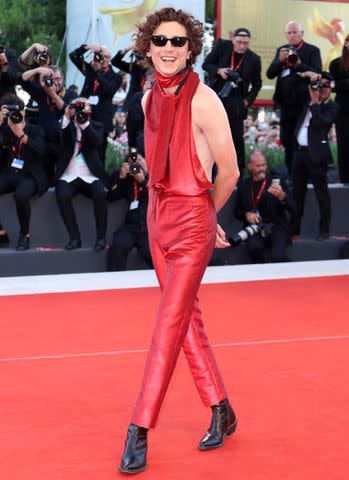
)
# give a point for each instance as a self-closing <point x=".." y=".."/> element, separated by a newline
<point x="242" y="32"/>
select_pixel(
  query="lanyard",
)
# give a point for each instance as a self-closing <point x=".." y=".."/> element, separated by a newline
<point x="95" y="86"/>
<point x="232" y="62"/>
<point x="136" y="190"/>
<point x="16" y="152"/>
<point x="256" y="200"/>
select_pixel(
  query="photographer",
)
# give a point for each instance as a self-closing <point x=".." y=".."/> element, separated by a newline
<point x="8" y="70"/>
<point x="339" y="69"/>
<point x="80" y="170"/>
<point x="235" y="75"/>
<point x="291" y="91"/>
<point x="45" y="85"/>
<point x="263" y="201"/>
<point x="130" y="182"/>
<point x="100" y="85"/>
<point x="22" y="170"/>
<point x="313" y="153"/>
<point x="136" y="67"/>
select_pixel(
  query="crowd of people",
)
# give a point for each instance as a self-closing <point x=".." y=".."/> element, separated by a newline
<point x="59" y="139"/>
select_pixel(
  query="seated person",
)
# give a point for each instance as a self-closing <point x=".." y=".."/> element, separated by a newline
<point x="260" y="200"/>
<point x="22" y="168"/>
<point x="126" y="183"/>
<point x="80" y="170"/>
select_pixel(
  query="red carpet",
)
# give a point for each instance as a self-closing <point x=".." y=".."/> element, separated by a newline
<point x="65" y="418"/>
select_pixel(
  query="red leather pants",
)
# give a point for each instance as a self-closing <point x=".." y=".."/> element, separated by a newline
<point x="182" y="233"/>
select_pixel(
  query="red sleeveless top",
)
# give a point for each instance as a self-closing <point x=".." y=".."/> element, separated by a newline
<point x="171" y="156"/>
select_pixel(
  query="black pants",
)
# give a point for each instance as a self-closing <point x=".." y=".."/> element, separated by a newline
<point x="123" y="241"/>
<point x="342" y="123"/>
<point x="235" y="111"/>
<point x="24" y="187"/>
<point x="288" y="122"/>
<point x="66" y="191"/>
<point x="277" y="241"/>
<point x="304" y="169"/>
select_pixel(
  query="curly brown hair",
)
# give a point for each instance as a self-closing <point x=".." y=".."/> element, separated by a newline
<point x="195" y="31"/>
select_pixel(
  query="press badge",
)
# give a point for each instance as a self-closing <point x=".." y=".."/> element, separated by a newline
<point x="94" y="100"/>
<point x="17" y="163"/>
<point x="286" y="72"/>
<point x="134" y="205"/>
<point x="80" y="159"/>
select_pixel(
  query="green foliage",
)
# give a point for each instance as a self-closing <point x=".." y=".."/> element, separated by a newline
<point x="209" y="11"/>
<point x="24" y="22"/>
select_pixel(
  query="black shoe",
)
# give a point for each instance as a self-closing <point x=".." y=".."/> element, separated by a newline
<point x="73" y="244"/>
<point x="323" y="236"/>
<point x="136" y="445"/>
<point x="23" y="243"/>
<point x="4" y="239"/>
<point x="100" y="244"/>
<point x="223" y="423"/>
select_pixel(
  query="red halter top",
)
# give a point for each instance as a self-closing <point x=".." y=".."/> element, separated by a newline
<point x="171" y="156"/>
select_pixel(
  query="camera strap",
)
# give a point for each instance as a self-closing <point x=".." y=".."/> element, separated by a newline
<point x="95" y="86"/>
<point x="233" y="59"/>
<point x="17" y="152"/>
<point x="255" y="200"/>
<point x="50" y="105"/>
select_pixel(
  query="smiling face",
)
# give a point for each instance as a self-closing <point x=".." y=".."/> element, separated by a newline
<point x="168" y="60"/>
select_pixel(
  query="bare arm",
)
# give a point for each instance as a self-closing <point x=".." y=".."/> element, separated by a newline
<point x="209" y="115"/>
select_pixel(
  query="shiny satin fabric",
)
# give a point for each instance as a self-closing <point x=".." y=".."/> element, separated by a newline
<point x="182" y="232"/>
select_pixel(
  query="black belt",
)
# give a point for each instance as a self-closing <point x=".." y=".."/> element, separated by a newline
<point x="305" y="148"/>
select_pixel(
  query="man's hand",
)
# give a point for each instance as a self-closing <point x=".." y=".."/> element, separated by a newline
<point x="223" y="72"/>
<point x="140" y="177"/>
<point x="277" y="191"/>
<point x="3" y="115"/>
<point x="253" y="218"/>
<point x="94" y="47"/>
<point x="3" y="62"/>
<point x="124" y="170"/>
<point x="283" y="54"/>
<point x="314" y="95"/>
<point x="313" y="77"/>
<point x="221" y="241"/>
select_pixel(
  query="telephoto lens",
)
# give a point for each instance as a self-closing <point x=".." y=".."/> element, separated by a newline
<point x="81" y="115"/>
<point x="98" y="56"/>
<point x="41" y="57"/>
<point x="48" y="81"/>
<point x="14" y="113"/>
<point x="135" y="167"/>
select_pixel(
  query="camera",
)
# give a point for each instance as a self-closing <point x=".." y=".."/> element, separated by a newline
<point x="135" y="167"/>
<point x="81" y="115"/>
<point x="41" y="57"/>
<point x="264" y="228"/>
<point x="318" y="85"/>
<point x="234" y="80"/>
<point x="14" y="114"/>
<point x="292" y="56"/>
<point x="48" y="81"/>
<point x="98" y="57"/>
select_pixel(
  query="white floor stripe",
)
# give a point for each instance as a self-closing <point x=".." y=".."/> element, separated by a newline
<point x="146" y="278"/>
<point x="217" y="345"/>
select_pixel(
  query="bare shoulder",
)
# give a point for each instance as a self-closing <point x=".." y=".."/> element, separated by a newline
<point x="206" y="105"/>
<point x="144" y="99"/>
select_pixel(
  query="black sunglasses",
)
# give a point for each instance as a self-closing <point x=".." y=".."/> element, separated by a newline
<point x="161" y="41"/>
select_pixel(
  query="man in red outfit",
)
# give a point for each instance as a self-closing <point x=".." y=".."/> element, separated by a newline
<point x="186" y="131"/>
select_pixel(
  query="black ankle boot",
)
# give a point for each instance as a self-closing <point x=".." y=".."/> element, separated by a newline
<point x="136" y="445"/>
<point x="4" y="239"/>
<point x="23" y="243"/>
<point x="223" y="423"/>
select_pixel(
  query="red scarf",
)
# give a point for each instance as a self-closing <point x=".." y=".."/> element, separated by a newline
<point x="174" y="81"/>
<point x="166" y="111"/>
